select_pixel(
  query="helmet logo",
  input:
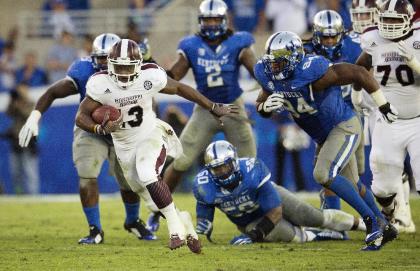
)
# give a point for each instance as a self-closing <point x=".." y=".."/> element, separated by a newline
<point x="416" y="44"/>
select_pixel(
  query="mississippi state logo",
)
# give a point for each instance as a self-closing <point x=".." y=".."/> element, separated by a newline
<point x="416" y="44"/>
<point x="147" y="85"/>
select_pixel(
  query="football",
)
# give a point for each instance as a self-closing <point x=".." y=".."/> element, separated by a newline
<point x="99" y="114"/>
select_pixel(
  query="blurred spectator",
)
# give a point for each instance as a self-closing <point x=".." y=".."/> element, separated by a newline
<point x="7" y="67"/>
<point x="60" y="56"/>
<point x="141" y="18"/>
<point x="59" y="19"/>
<point x="30" y="73"/>
<point x="291" y="140"/>
<point x="247" y="15"/>
<point x="71" y="4"/>
<point x="287" y="15"/>
<point x="86" y="49"/>
<point x="343" y="8"/>
<point x="23" y="161"/>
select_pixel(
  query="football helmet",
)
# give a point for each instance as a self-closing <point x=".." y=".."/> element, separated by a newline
<point x="100" y="49"/>
<point x="221" y="160"/>
<point x="394" y="19"/>
<point x="283" y="52"/>
<point x="145" y="50"/>
<point x="212" y="9"/>
<point x="124" y="63"/>
<point x="328" y="25"/>
<point x="364" y="14"/>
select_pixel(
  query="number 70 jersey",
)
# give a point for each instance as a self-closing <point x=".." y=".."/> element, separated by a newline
<point x="400" y="84"/>
<point x="134" y="103"/>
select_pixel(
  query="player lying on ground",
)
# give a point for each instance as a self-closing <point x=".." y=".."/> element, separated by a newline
<point x="264" y="212"/>
<point x="142" y="142"/>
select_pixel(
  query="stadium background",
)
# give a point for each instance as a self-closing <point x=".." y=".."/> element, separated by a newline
<point x="167" y="23"/>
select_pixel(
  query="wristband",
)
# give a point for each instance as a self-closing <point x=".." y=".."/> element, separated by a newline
<point x="378" y="97"/>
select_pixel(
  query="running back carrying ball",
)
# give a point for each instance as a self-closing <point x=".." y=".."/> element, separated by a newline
<point x="104" y="113"/>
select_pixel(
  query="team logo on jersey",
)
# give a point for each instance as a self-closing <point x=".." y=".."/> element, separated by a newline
<point x="147" y="84"/>
<point x="201" y="51"/>
<point x="416" y="44"/>
<point x="270" y="85"/>
<point x="107" y="91"/>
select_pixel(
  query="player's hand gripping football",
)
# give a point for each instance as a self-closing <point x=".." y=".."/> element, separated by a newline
<point x="108" y="126"/>
<point x="220" y="110"/>
<point x="30" y="129"/>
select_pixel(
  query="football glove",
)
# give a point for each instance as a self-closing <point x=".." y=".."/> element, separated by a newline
<point x="242" y="239"/>
<point x="30" y="129"/>
<point x="205" y="227"/>
<point x="274" y="102"/>
<point x="389" y="113"/>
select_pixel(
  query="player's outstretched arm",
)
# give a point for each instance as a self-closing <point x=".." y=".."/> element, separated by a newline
<point x="344" y="74"/>
<point x="59" y="89"/>
<point x="187" y="92"/>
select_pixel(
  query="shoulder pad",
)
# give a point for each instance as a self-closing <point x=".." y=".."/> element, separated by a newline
<point x="245" y="39"/>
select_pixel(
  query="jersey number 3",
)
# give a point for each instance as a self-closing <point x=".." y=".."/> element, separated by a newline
<point x="136" y="111"/>
<point x="214" y="79"/>
<point x="399" y="71"/>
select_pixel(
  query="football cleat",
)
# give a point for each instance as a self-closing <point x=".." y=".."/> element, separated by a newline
<point x="389" y="233"/>
<point x="193" y="244"/>
<point x="373" y="239"/>
<point x="325" y="235"/>
<point x="175" y="242"/>
<point x="139" y="230"/>
<point x="153" y="222"/>
<point x="95" y="236"/>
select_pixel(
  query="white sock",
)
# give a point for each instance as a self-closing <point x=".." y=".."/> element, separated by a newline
<point x="337" y="220"/>
<point x="188" y="224"/>
<point x="175" y="225"/>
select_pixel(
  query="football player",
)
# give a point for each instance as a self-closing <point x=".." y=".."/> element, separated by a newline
<point x="89" y="150"/>
<point x="215" y="55"/>
<point x="331" y="41"/>
<point x="264" y="212"/>
<point x="391" y="50"/>
<point x="142" y="141"/>
<point x="309" y="88"/>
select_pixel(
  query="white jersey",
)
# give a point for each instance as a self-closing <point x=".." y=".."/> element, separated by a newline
<point x="400" y="84"/>
<point x="134" y="103"/>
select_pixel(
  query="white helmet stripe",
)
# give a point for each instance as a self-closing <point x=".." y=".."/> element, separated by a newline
<point x="362" y="3"/>
<point x="124" y="47"/>
<point x="392" y="4"/>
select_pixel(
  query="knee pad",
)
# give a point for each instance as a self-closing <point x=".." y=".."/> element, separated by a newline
<point x="88" y="168"/>
<point x="83" y="182"/>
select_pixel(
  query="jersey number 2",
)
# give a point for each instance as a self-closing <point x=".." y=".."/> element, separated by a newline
<point x="386" y="69"/>
<point x="214" y="79"/>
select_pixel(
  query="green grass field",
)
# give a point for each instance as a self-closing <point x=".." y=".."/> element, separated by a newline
<point x="42" y="235"/>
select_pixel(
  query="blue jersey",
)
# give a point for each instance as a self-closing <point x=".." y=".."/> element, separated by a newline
<point x="251" y="199"/>
<point x="349" y="53"/>
<point x="216" y="70"/>
<point x="80" y="71"/>
<point x="317" y="113"/>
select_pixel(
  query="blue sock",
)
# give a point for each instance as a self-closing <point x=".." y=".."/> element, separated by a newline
<point x="370" y="200"/>
<point x="332" y="202"/>
<point x="131" y="212"/>
<point x="92" y="216"/>
<point x="345" y="190"/>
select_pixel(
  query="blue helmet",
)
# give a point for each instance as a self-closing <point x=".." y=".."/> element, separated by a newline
<point x="101" y="47"/>
<point x="283" y="52"/>
<point x="221" y="160"/>
<point x="212" y="9"/>
<point x="328" y="23"/>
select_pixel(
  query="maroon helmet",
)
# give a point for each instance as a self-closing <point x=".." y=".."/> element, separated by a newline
<point x="364" y="14"/>
<point x="394" y="19"/>
<point x="124" y="61"/>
